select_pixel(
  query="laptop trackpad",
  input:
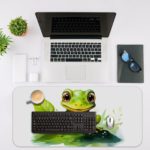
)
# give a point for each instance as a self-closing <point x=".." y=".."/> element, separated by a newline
<point x="75" y="72"/>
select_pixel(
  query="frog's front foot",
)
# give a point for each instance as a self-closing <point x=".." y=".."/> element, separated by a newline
<point x="98" y="119"/>
<point x="99" y="129"/>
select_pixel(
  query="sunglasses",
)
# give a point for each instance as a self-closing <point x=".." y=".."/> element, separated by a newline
<point x="132" y="64"/>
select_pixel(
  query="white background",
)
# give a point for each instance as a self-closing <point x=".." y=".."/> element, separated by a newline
<point x="132" y="26"/>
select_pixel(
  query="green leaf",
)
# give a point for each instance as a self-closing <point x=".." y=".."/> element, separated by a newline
<point x="4" y="42"/>
<point x="45" y="106"/>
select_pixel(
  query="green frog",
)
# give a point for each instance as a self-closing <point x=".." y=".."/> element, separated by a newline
<point x="79" y="101"/>
<point x="72" y="100"/>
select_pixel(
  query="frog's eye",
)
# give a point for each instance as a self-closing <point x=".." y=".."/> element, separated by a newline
<point x="66" y="96"/>
<point x="91" y="96"/>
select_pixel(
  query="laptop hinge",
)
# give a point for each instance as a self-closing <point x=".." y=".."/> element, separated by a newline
<point x="75" y="37"/>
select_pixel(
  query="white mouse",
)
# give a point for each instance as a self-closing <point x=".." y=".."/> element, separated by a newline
<point x="110" y="122"/>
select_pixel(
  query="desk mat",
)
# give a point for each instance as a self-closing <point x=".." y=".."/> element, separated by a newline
<point x="124" y="104"/>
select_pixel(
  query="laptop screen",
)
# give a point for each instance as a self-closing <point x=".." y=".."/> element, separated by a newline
<point x="75" y="24"/>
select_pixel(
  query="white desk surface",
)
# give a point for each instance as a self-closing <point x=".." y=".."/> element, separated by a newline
<point x="132" y="26"/>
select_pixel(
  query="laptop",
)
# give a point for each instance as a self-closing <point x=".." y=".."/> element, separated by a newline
<point x="75" y="46"/>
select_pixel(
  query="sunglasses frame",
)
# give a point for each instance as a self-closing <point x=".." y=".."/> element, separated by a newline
<point x="130" y="61"/>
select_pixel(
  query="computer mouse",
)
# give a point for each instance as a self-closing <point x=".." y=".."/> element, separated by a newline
<point x="110" y="122"/>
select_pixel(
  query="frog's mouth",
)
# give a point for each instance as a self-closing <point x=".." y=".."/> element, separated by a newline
<point x="77" y="110"/>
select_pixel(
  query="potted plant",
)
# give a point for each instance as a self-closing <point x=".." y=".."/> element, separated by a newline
<point x="4" y="42"/>
<point x="18" y="26"/>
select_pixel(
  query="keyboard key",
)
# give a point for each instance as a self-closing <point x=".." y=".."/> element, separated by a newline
<point x="99" y="59"/>
<point x="73" y="59"/>
<point x="92" y="59"/>
<point x="54" y="55"/>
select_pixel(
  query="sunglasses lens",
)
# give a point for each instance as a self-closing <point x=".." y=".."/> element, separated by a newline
<point x="125" y="56"/>
<point x="135" y="67"/>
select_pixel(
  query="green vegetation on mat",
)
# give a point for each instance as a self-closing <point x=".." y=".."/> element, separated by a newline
<point x="18" y="26"/>
<point x="82" y="140"/>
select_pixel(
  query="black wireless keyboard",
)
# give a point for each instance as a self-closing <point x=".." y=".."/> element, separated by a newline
<point x="63" y="122"/>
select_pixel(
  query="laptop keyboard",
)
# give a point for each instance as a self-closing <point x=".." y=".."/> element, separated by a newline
<point x="75" y="52"/>
<point x="76" y="24"/>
